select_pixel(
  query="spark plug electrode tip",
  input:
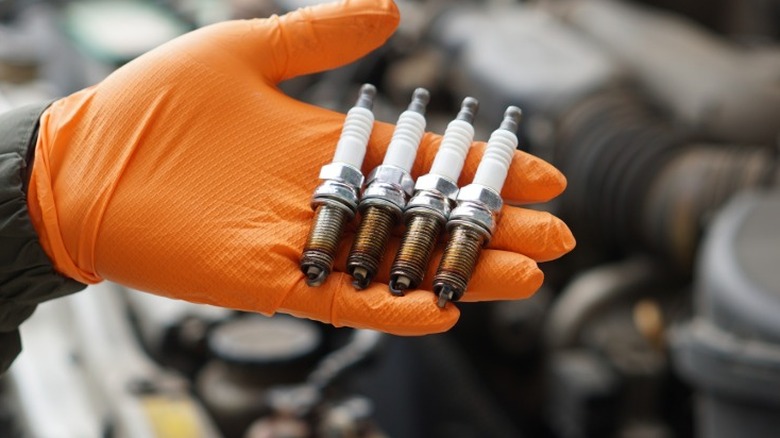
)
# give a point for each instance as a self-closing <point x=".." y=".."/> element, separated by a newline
<point x="420" y="99"/>
<point x="399" y="284"/>
<point x="367" y="95"/>
<point x="468" y="110"/>
<point x="361" y="278"/>
<point x="315" y="276"/>
<point x="512" y="117"/>
<point x="445" y="294"/>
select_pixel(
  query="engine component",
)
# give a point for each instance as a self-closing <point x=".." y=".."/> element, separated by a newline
<point x="388" y="188"/>
<point x="474" y="220"/>
<point x="86" y="335"/>
<point x="636" y="181"/>
<point x="174" y="332"/>
<point x="606" y="336"/>
<point x="301" y="399"/>
<point x="253" y="354"/>
<point x="730" y="351"/>
<point x="593" y="291"/>
<point x="522" y="55"/>
<point x="583" y="391"/>
<point x="435" y="194"/>
<point x="694" y="185"/>
<point x="335" y="200"/>
<point x="737" y="100"/>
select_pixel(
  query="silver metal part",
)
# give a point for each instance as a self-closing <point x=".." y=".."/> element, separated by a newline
<point x="340" y="187"/>
<point x="388" y="186"/>
<point x="301" y="399"/>
<point x="366" y="97"/>
<point x="437" y="183"/>
<point x="420" y="99"/>
<point x="434" y="194"/>
<point x="478" y="206"/>
<point x="468" y="110"/>
<point x="511" y="121"/>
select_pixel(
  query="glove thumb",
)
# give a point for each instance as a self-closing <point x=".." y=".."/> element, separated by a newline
<point x="308" y="40"/>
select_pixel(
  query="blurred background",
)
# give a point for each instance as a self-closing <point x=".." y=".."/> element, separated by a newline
<point x="664" y="322"/>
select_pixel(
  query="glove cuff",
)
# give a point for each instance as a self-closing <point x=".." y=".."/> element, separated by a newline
<point x="27" y="276"/>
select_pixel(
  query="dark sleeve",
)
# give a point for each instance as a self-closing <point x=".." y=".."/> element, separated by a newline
<point x="27" y="276"/>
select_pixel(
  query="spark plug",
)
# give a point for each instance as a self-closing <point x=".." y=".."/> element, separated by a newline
<point x="473" y="221"/>
<point x="434" y="197"/>
<point x="335" y="200"/>
<point x="388" y="187"/>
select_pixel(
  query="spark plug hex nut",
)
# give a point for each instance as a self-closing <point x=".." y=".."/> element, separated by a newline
<point x="478" y="205"/>
<point x="340" y="187"/>
<point x="342" y="172"/>
<point x="437" y="183"/>
<point x="387" y="186"/>
<point x="434" y="194"/>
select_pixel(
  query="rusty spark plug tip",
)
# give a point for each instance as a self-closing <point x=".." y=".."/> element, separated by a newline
<point x="445" y="294"/>
<point x="369" y="244"/>
<point x="361" y="278"/>
<point x="420" y="99"/>
<point x="315" y="276"/>
<point x="322" y="243"/>
<point x="512" y="117"/>
<point x="399" y="284"/>
<point x="411" y="259"/>
<point x="366" y="97"/>
<point x="468" y="110"/>
<point x="457" y="263"/>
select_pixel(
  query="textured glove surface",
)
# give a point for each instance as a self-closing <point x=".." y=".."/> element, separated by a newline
<point x="188" y="174"/>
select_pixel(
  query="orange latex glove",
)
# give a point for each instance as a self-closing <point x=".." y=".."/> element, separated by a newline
<point x="188" y="174"/>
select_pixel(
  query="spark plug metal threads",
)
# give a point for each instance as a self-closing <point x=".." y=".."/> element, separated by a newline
<point x="474" y="220"/>
<point x="335" y="200"/>
<point x="435" y="195"/>
<point x="458" y="262"/>
<point x="388" y="187"/>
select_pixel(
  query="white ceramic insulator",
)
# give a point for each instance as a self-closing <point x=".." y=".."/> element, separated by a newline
<point x="495" y="162"/>
<point x="351" y="148"/>
<point x="453" y="150"/>
<point x="406" y="139"/>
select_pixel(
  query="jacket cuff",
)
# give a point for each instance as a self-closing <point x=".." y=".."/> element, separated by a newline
<point x="27" y="276"/>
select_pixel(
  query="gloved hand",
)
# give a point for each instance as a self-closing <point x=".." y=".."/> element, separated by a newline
<point x="188" y="174"/>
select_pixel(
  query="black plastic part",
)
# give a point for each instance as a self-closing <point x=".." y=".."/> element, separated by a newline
<point x="731" y="351"/>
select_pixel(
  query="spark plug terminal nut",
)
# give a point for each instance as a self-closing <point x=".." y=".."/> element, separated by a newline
<point x="335" y="200"/>
<point x="473" y="222"/>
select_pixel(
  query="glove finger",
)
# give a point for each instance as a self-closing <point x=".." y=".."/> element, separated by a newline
<point x="499" y="275"/>
<point x="530" y="179"/>
<point x="310" y="39"/>
<point x="536" y="234"/>
<point x="338" y="303"/>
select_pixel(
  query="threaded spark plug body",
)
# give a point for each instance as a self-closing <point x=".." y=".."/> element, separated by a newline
<point x="335" y="200"/>
<point x="473" y="221"/>
<point x="388" y="187"/>
<point x="435" y="194"/>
